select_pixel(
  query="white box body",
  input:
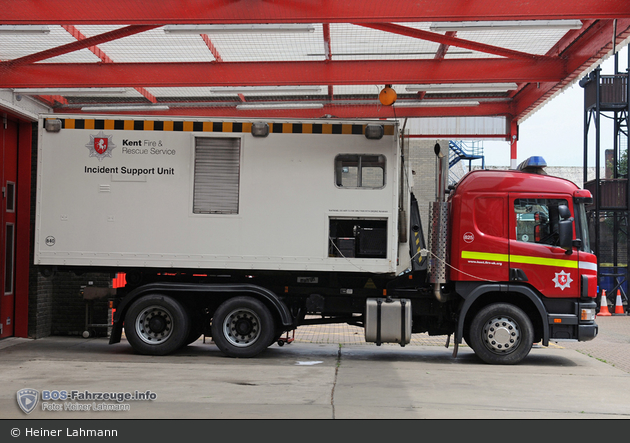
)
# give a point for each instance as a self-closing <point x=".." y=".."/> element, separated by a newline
<point x="119" y="192"/>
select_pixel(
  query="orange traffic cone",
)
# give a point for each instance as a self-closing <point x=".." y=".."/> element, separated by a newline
<point x="619" y="305"/>
<point x="603" y="308"/>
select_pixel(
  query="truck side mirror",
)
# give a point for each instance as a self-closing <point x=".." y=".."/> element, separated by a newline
<point x="565" y="235"/>
<point x="565" y="229"/>
<point x="563" y="212"/>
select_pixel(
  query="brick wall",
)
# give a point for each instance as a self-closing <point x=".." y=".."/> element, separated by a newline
<point x="57" y="307"/>
<point x="423" y="164"/>
<point x="69" y="307"/>
<point x="39" y="305"/>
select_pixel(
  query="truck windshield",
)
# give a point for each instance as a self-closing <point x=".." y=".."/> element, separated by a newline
<point x="581" y="227"/>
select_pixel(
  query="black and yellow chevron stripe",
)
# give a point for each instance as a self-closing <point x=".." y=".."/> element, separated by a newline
<point x="218" y="126"/>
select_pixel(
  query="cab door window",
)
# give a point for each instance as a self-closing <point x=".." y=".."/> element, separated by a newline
<point x="537" y="220"/>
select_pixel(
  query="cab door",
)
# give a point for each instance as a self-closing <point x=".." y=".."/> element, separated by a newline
<point x="535" y="255"/>
<point x="479" y="244"/>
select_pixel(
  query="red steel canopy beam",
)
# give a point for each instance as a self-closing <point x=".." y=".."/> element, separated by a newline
<point x="561" y="46"/>
<point x="51" y="100"/>
<point x="327" y="51"/>
<point x="280" y="73"/>
<point x="213" y="49"/>
<point x="304" y="11"/>
<point x="455" y="136"/>
<point x="79" y="44"/>
<point x="104" y="57"/>
<point x="443" y="48"/>
<point x="450" y="40"/>
<point x="592" y="45"/>
<point x="439" y="55"/>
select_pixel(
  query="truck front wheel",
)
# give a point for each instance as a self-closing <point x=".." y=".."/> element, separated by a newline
<point x="242" y="327"/>
<point x="501" y="333"/>
<point x="157" y="325"/>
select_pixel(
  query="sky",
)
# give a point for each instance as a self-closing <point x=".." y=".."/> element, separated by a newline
<point x="556" y="131"/>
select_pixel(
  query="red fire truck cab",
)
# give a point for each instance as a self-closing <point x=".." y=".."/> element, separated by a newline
<point x="524" y="235"/>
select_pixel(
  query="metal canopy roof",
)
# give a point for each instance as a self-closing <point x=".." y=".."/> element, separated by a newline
<point x="304" y="58"/>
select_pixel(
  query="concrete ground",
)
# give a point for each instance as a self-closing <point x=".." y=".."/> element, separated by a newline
<point x="328" y="372"/>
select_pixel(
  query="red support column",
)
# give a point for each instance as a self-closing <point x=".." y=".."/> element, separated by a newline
<point x="23" y="229"/>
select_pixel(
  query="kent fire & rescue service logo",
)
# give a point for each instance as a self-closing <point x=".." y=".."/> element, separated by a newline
<point x="27" y="399"/>
<point x="100" y="146"/>
<point x="562" y="280"/>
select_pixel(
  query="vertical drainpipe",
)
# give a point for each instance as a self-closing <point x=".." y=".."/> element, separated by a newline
<point x="586" y="124"/>
<point x="628" y="147"/>
<point x="598" y="197"/>
<point x="513" y="140"/>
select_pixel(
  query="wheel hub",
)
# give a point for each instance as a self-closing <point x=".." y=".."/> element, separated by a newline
<point x="242" y="327"/>
<point x="154" y="325"/>
<point x="501" y="335"/>
<point x="157" y="324"/>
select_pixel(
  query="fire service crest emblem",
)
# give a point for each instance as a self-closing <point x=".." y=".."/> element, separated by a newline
<point x="100" y="146"/>
<point x="562" y="280"/>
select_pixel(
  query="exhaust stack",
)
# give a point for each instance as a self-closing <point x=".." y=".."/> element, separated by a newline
<point x="438" y="233"/>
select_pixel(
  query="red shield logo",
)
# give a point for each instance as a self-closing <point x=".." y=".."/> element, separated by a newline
<point x="100" y="144"/>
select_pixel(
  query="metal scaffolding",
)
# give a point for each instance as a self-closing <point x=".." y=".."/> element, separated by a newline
<point x="608" y="96"/>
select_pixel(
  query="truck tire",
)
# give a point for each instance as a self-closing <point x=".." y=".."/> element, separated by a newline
<point x="501" y="333"/>
<point x="242" y="327"/>
<point x="156" y="325"/>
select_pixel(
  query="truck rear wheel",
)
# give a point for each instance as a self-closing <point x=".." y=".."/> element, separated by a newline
<point x="501" y="333"/>
<point x="157" y="325"/>
<point x="242" y="327"/>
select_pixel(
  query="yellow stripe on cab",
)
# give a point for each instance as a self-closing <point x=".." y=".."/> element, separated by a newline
<point x="525" y="259"/>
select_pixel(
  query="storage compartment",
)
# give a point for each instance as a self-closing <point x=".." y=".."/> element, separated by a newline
<point x="360" y="238"/>
<point x="346" y="246"/>
<point x="372" y="242"/>
<point x="388" y="321"/>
